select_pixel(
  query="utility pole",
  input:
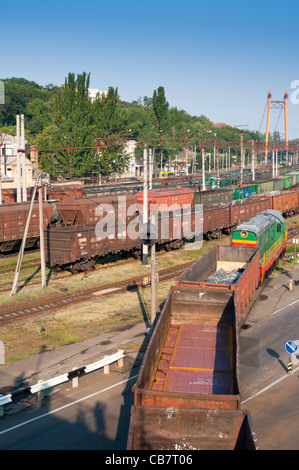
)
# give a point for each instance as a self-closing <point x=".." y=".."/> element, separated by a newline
<point x="203" y="169"/>
<point x="150" y="166"/>
<point x="18" y="161"/>
<point x="267" y="126"/>
<point x="145" y="204"/>
<point x="23" y="158"/>
<point x="286" y="124"/>
<point x="241" y="171"/>
<point x="41" y="236"/>
<point x="21" y="252"/>
<point x="253" y="162"/>
<point x="153" y="283"/>
<point x="217" y="167"/>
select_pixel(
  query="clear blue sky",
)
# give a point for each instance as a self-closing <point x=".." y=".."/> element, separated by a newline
<point x="216" y="58"/>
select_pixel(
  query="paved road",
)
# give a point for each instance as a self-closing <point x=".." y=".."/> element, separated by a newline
<point x="94" y="416"/>
<point x="269" y="392"/>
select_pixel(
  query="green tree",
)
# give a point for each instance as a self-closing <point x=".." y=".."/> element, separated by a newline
<point x="21" y="97"/>
<point x="72" y="120"/>
<point x="161" y="109"/>
<point x="110" y="127"/>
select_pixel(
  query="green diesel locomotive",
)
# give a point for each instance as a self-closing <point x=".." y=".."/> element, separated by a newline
<point x="268" y="231"/>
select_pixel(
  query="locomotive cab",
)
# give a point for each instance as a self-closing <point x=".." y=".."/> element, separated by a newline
<point x="266" y="230"/>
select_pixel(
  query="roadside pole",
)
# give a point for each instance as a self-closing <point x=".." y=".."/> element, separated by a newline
<point x="145" y="205"/>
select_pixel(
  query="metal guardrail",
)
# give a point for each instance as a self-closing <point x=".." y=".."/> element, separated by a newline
<point x="74" y="375"/>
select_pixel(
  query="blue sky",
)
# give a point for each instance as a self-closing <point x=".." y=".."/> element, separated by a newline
<point x="214" y="58"/>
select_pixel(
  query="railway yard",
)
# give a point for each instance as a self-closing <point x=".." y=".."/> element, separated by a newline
<point x="95" y="287"/>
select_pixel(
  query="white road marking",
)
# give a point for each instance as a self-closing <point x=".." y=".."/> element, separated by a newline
<point x="282" y="308"/>
<point x="268" y="386"/>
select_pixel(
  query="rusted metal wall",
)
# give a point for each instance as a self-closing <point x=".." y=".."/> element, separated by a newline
<point x="153" y="428"/>
<point x="9" y="195"/>
<point x="65" y="245"/>
<point x="285" y="202"/>
<point x="215" y="218"/>
<point x="61" y="191"/>
<point x="247" y="208"/>
<point x="13" y="219"/>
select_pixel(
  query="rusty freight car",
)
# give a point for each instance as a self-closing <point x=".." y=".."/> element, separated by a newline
<point x="190" y="372"/>
<point x="187" y="395"/>
<point x="12" y="223"/>
<point x="178" y="370"/>
<point x="85" y="210"/>
<point x="244" y="209"/>
<point x="287" y="202"/>
<point x="215" y="220"/>
<point x="166" y="198"/>
<point x="75" y="245"/>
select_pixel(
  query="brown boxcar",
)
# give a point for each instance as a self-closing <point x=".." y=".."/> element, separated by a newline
<point x="180" y="429"/>
<point x="167" y="197"/>
<point x="215" y="220"/>
<point x="78" y="244"/>
<point x="243" y="210"/>
<point x="85" y="210"/>
<point x="62" y="191"/>
<point x="12" y="224"/>
<point x="284" y="201"/>
<point x="59" y="191"/>
<point x="242" y="262"/>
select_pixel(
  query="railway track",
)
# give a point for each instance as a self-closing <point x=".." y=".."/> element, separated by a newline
<point x="38" y="307"/>
<point x="17" y="312"/>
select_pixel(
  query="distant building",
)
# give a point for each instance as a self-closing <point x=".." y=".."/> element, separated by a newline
<point x="134" y="167"/>
<point x="8" y="164"/>
<point x="92" y="93"/>
<point x="220" y="124"/>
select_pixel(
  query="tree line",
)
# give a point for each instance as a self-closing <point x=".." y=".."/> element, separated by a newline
<point x="66" y="118"/>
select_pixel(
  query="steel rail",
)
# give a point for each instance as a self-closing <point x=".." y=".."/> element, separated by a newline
<point x="17" y="312"/>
